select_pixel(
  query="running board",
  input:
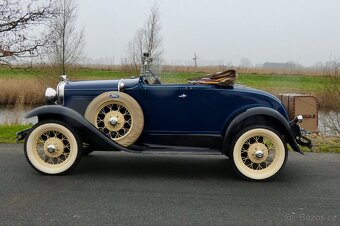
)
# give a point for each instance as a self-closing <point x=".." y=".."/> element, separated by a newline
<point x="178" y="150"/>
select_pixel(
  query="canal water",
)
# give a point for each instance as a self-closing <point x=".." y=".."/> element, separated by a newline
<point x="329" y="120"/>
<point x="12" y="115"/>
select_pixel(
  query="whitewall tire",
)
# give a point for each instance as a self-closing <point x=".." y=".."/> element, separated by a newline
<point x="52" y="148"/>
<point x="258" y="153"/>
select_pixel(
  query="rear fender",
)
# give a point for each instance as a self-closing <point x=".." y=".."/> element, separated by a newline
<point x="268" y="113"/>
<point x="86" y="130"/>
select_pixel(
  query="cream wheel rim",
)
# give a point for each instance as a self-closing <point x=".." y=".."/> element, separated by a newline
<point x="114" y="120"/>
<point x="51" y="148"/>
<point x="259" y="153"/>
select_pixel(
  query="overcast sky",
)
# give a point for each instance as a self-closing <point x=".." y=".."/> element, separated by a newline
<point x="219" y="31"/>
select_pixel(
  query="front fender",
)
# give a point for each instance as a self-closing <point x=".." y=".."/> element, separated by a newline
<point x="285" y="127"/>
<point x="86" y="130"/>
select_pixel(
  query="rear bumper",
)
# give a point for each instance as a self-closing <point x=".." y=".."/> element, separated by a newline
<point x="297" y="132"/>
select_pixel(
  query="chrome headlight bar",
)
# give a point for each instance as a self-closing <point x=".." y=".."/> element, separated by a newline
<point x="60" y="92"/>
<point x="53" y="96"/>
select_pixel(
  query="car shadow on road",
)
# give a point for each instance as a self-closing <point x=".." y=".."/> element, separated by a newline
<point x="152" y="166"/>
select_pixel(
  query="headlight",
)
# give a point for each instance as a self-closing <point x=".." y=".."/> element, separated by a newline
<point x="50" y="95"/>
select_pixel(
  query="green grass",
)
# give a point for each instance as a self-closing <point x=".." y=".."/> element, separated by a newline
<point x="178" y="77"/>
<point x="283" y="82"/>
<point x="6" y="72"/>
<point x="324" y="144"/>
<point x="8" y="132"/>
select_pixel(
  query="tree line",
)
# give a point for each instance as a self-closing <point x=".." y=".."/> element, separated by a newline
<point x="46" y="29"/>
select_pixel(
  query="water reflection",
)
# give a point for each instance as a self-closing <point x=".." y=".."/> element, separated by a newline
<point x="12" y="115"/>
<point x="329" y="122"/>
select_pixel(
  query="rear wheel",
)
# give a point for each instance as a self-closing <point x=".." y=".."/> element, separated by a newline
<point x="52" y="148"/>
<point x="258" y="153"/>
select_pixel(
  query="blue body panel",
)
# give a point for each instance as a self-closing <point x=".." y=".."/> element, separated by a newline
<point x="206" y="109"/>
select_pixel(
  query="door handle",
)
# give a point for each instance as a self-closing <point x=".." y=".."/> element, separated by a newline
<point x="182" y="96"/>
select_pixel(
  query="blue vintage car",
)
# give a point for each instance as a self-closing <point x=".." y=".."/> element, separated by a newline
<point x="142" y="115"/>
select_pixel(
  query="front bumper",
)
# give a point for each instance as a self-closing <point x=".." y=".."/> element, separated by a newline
<point x="21" y="135"/>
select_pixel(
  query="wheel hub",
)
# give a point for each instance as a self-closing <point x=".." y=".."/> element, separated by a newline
<point x="53" y="147"/>
<point x="257" y="152"/>
<point x="114" y="120"/>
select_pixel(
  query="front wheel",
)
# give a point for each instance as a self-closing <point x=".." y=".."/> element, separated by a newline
<point x="258" y="153"/>
<point x="52" y="148"/>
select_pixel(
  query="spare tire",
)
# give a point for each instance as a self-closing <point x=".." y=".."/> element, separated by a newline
<point x="117" y="115"/>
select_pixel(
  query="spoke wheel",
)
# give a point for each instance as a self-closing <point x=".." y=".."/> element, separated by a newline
<point x="52" y="148"/>
<point x="118" y="116"/>
<point x="114" y="120"/>
<point x="258" y="153"/>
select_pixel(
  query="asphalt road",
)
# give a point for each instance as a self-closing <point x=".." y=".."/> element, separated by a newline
<point x="128" y="189"/>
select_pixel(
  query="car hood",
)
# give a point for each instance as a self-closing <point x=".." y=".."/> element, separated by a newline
<point x="104" y="85"/>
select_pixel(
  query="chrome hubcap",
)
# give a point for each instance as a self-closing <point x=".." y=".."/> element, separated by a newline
<point x="113" y="121"/>
<point x="259" y="154"/>
<point x="51" y="148"/>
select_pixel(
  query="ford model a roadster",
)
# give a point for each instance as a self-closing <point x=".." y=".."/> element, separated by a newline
<point x="141" y="115"/>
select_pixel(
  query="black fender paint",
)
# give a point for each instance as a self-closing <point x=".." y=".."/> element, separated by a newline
<point x="264" y="111"/>
<point x="72" y="118"/>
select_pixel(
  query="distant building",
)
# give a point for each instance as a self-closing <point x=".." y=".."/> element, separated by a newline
<point x="288" y="65"/>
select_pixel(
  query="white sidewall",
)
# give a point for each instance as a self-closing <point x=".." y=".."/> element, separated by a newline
<point x="280" y="155"/>
<point x="35" y="159"/>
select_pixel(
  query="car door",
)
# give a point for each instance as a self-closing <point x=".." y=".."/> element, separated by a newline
<point x="183" y="108"/>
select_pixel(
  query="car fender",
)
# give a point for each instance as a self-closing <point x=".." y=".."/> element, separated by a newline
<point x="88" y="132"/>
<point x="261" y="111"/>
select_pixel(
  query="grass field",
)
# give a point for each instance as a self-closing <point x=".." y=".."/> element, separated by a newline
<point x="33" y="82"/>
<point x="8" y="132"/>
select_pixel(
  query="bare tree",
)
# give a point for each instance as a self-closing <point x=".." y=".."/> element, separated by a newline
<point x="66" y="42"/>
<point x="135" y="48"/>
<point x="147" y="39"/>
<point x="153" y="39"/>
<point x="20" y="23"/>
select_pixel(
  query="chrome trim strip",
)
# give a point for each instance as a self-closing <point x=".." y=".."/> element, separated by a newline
<point x="60" y="92"/>
<point x="121" y="85"/>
